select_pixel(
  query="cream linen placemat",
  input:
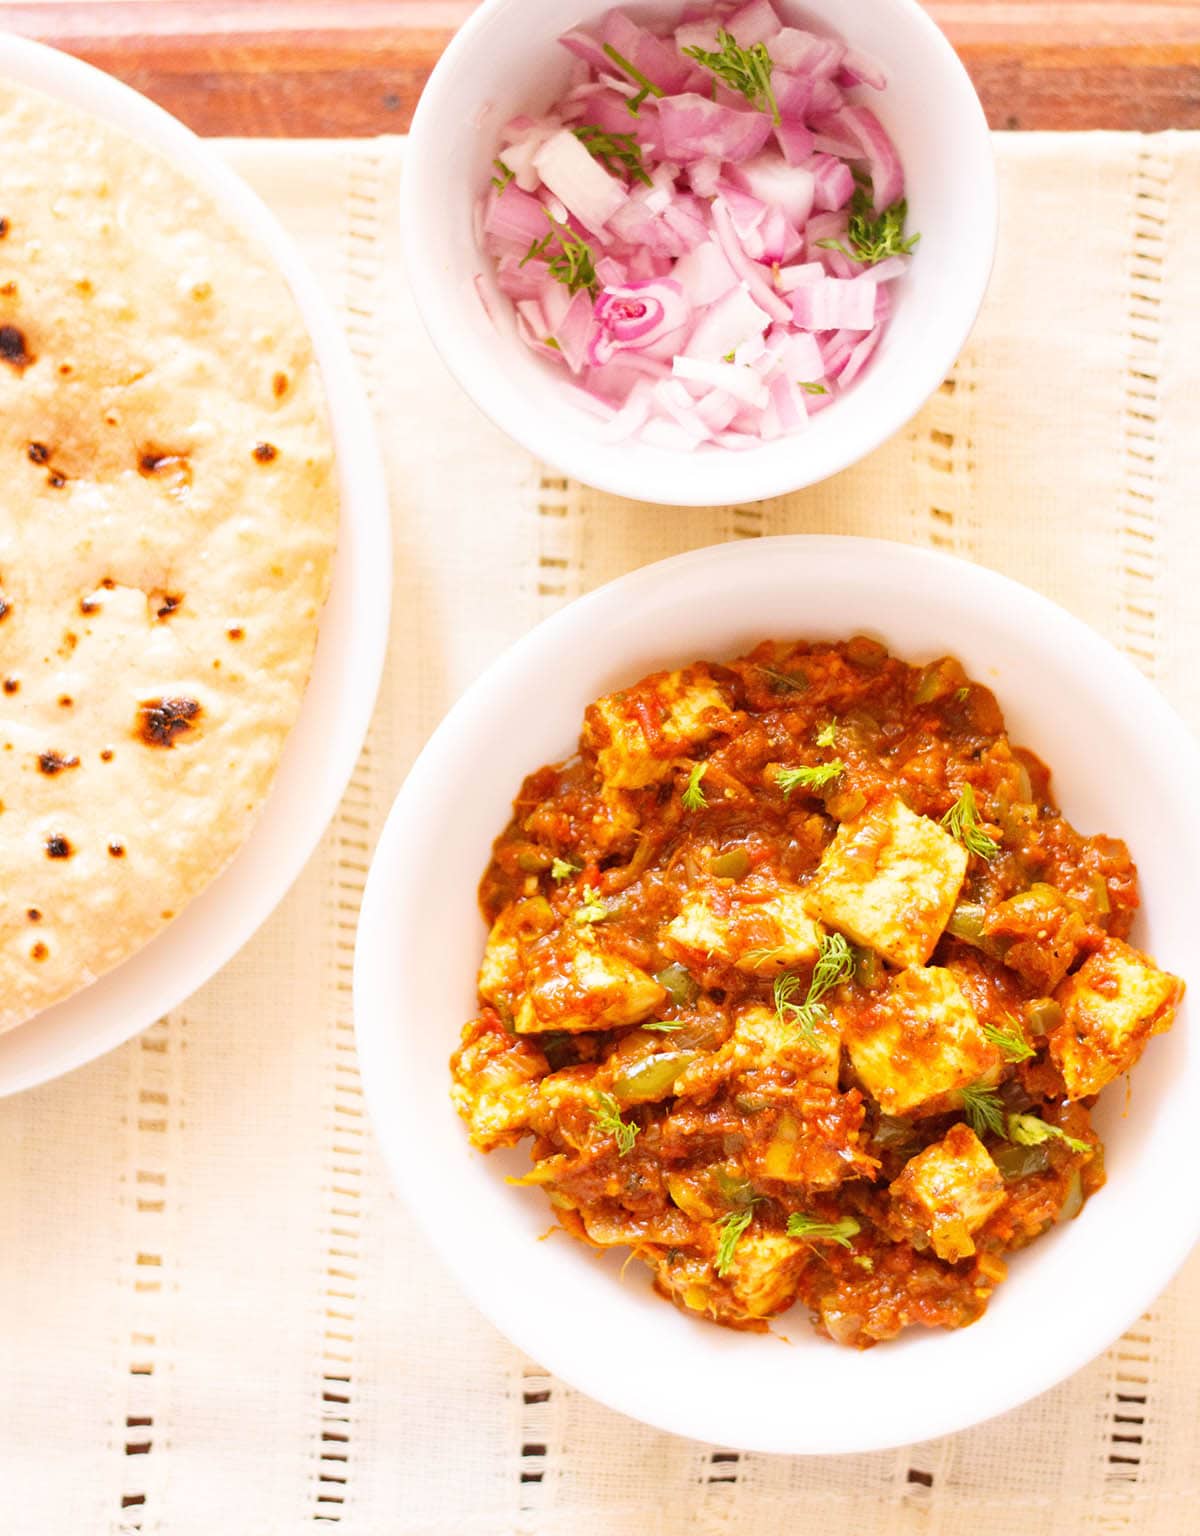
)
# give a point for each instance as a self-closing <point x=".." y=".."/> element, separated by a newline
<point x="214" y="1316"/>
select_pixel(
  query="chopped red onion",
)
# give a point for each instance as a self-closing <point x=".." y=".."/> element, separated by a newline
<point x="701" y="263"/>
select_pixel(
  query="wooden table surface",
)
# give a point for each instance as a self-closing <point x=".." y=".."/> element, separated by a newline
<point x="323" y="68"/>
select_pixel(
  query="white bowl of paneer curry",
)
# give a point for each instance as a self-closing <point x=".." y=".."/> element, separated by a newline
<point x="829" y="987"/>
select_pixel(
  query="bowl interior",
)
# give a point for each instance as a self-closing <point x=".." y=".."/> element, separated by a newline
<point x="1123" y="764"/>
<point x="506" y="61"/>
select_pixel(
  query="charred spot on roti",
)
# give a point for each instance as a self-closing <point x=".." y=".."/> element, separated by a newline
<point x="34" y="915"/>
<point x="116" y="850"/>
<point x="170" y="465"/>
<point x="108" y="584"/>
<point x="38" y="453"/>
<point x="279" y="385"/>
<point x="56" y="479"/>
<point x="165" y="604"/>
<point x="39" y="951"/>
<point x="265" y="452"/>
<point x="3" y="228"/>
<point x="69" y="641"/>
<point x="12" y="684"/>
<point x="236" y="633"/>
<point x="14" y="349"/>
<point x="106" y="755"/>
<point x="51" y="763"/>
<point x="65" y="701"/>
<point x="160" y="721"/>
<point x="58" y="847"/>
<point x="5" y="608"/>
<point x="87" y="606"/>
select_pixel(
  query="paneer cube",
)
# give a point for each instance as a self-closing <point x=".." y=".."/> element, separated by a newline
<point x="764" y="1273"/>
<point x="919" y="1042"/>
<point x="761" y="1039"/>
<point x="759" y="937"/>
<point x="501" y="971"/>
<point x="494" y="1081"/>
<point x="1111" y="1006"/>
<point x="890" y="880"/>
<point x="948" y="1191"/>
<point x="637" y="734"/>
<point x="572" y="984"/>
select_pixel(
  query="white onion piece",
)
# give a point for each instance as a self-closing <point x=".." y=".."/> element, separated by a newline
<point x="580" y="183"/>
<point x="772" y="180"/>
<point x="835" y="305"/>
<point x="734" y="378"/>
<point x="722" y="328"/>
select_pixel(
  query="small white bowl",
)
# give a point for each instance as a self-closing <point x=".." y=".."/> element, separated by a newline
<point x="1123" y="764"/>
<point x="505" y="60"/>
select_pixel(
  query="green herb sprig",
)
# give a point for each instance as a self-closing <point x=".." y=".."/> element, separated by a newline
<point x="575" y="264"/>
<point x="983" y="1109"/>
<point x="835" y="964"/>
<point x="693" y="797"/>
<point x="732" y="1228"/>
<point x="874" y="237"/>
<point x="648" y="87"/>
<point x="816" y="777"/>
<point x="505" y="175"/>
<point x="606" y="1112"/>
<point x="1011" y="1043"/>
<point x="619" y="153"/>
<point x="964" y="822"/>
<point x="745" y="70"/>
<point x="563" y="869"/>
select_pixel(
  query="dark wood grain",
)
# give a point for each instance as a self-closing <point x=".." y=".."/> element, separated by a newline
<point x="326" y="68"/>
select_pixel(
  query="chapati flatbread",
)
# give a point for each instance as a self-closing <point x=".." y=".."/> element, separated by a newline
<point x="168" y="516"/>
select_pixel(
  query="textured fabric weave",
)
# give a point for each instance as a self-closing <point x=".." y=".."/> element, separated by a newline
<point x="214" y="1315"/>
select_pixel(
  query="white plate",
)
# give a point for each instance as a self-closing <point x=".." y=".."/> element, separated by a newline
<point x="1123" y="764"/>
<point x="323" y="747"/>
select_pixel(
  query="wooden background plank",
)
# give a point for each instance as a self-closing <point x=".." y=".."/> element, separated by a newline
<point x="320" y="68"/>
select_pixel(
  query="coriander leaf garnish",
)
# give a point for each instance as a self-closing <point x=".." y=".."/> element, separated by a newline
<point x="835" y="963"/>
<point x="810" y="387"/>
<point x="785" y="682"/>
<point x="563" y="869"/>
<point x="1031" y="1131"/>
<point x="693" y="796"/>
<point x="731" y="1234"/>
<point x="648" y="87"/>
<point x="874" y="237"/>
<point x="728" y="358"/>
<point x="745" y="70"/>
<point x="827" y="735"/>
<point x="816" y="777"/>
<point x="592" y="911"/>
<point x="964" y="822"/>
<point x="1010" y="1042"/>
<point x="607" y="1115"/>
<point x="817" y="1231"/>
<point x="505" y="176"/>
<point x="983" y="1109"/>
<point x="663" y="1026"/>
<point x="618" y="153"/>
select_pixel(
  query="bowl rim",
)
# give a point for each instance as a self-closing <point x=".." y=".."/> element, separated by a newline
<point x="729" y="476"/>
<point x="323" y="745"/>
<point x="379" y="1029"/>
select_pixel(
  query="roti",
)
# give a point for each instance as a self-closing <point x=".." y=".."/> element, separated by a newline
<point x="168" y="515"/>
